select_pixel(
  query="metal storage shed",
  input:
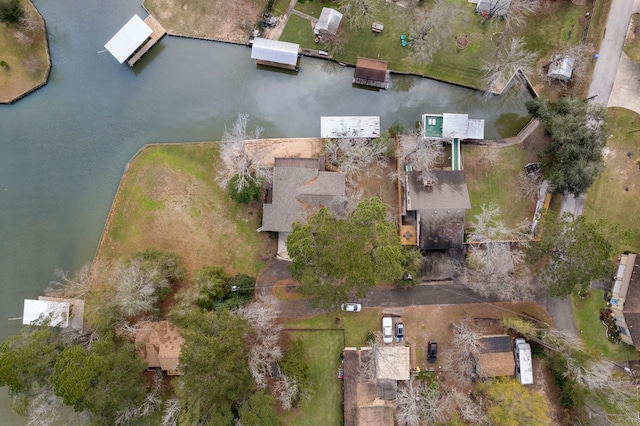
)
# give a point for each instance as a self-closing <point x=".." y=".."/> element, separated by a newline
<point x="561" y="68"/>
<point x="275" y="53"/>
<point x="128" y="39"/>
<point x="328" y="22"/>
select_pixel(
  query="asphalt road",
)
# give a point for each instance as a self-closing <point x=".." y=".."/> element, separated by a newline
<point x="604" y="75"/>
<point x="606" y="67"/>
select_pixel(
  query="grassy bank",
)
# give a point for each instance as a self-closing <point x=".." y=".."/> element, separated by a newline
<point x="614" y="195"/>
<point x="587" y="317"/>
<point x="323" y="405"/>
<point x="492" y="177"/>
<point x="24" y="58"/>
<point x="169" y="200"/>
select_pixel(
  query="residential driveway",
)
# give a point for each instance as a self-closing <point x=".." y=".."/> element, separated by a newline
<point x="626" y="89"/>
<point x="606" y="67"/>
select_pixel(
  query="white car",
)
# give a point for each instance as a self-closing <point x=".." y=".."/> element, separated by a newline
<point x="351" y="307"/>
<point x="387" y="329"/>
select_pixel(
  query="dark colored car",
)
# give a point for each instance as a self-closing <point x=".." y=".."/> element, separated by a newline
<point x="399" y="332"/>
<point x="432" y="351"/>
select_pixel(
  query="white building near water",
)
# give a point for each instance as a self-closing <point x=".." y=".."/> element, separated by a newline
<point x="275" y="53"/>
<point x="350" y="127"/>
<point x="36" y="312"/>
<point x="129" y="39"/>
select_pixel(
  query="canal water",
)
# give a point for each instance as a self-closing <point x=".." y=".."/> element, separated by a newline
<point x="64" y="147"/>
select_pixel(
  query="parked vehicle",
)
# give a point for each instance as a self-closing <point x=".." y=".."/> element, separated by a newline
<point x="524" y="367"/>
<point x="399" y="332"/>
<point x="432" y="351"/>
<point x="387" y="329"/>
<point x="351" y="307"/>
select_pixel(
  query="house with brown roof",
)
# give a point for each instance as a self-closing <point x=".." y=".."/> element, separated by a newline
<point x="496" y="356"/>
<point x="434" y="210"/>
<point x="625" y="299"/>
<point x="159" y="344"/>
<point x="301" y="186"/>
<point x="371" y="72"/>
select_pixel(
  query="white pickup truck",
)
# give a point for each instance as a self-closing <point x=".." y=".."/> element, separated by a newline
<point x="387" y="329"/>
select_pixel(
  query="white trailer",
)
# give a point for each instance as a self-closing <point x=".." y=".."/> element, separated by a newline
<point x="524" y="367"/>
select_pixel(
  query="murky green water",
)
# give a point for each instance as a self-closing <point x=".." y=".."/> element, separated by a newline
<point x="63" y="148"/>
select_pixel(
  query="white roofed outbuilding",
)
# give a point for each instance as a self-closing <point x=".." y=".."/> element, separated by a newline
<point x="350" y="127"/>
<point x="328" y="22"/>
<point x="561" y="68"/>
<point x="275" y="53"/>
<point x="128" y="39"/>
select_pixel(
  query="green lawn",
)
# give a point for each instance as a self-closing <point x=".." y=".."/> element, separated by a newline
<point x="280" y="7"/>
<point x="300" y="30"/>
<point x="314" y="7"/>
<point x="24" y="58"/>
<point x="355" y="325"/>
<point x="587" y="317"/>
<point x="553" y="25"/>
<point x="169" y="199"/>
<point x="496" y="182"/>
<point x="615" y="194"/>
<point x="323" y="407"/>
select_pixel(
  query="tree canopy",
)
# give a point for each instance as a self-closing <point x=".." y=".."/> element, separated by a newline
<point x="511" y="404"/>
<point x="214" y="360"/>
<point x="333" y="258"/>
<point x="575" y="252"/>
<point x="574" y="157"/>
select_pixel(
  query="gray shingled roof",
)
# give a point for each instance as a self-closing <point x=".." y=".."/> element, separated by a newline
<point x="631" y="308"/>
<point x="448" y="194"/>
<point x="299" y="190"/>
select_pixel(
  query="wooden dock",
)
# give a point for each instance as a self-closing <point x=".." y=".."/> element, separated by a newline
<point x="158" y="33"/>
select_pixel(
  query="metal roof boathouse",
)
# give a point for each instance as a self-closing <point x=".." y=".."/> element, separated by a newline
<point x="135" y="39"/>
<point x="274" y="53"/>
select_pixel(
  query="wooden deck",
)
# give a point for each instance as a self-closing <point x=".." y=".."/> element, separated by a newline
<point x="158" y="33"/>
<point x="408" y="235"/>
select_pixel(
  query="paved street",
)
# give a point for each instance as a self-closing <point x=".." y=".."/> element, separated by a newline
<point x="606" y="72"/>
<point x="606" y="68"/>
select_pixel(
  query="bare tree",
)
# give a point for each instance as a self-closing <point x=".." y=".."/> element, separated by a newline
<point x="422" y="405"/>
<point x="421" y="153"/>
<point x="151" y="403"/>
<point x="359" y="13"/>
<point x="528" y="186"/>
<point x="429" y="27"/>
<point x="511" y="57"/>
<point x="172" y="410"/>
<point x="470" y="410"/>
<point x="493" y="266"/>
<point x="462" y="359"/>
<point x="75" y="287"/>
<point x="355" y="156"/>
<point x="286" y="391"/>
<point x="237" y="161"/>
<point x="368" y="357"/>
<point x="518" y="12"/>
<point x="265" y="350"/>
<point x="137" y="287"/>
<point x="582" y="55"/>
<point x="44" y="408"/>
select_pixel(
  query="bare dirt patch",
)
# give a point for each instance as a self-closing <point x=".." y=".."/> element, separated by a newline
<point x="269" y="149"/>
<point x="222" y="20"/>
